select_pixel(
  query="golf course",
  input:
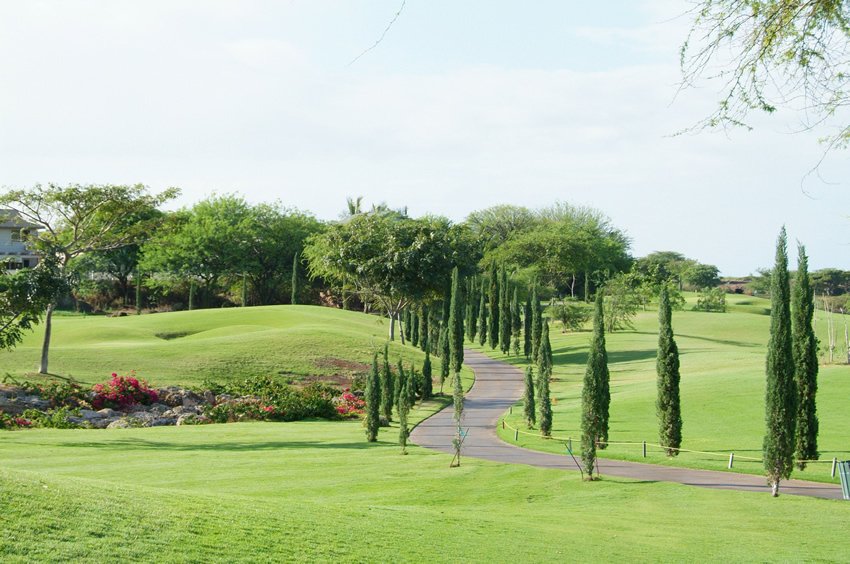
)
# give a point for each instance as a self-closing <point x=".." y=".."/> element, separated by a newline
<point x="317" y="490"/>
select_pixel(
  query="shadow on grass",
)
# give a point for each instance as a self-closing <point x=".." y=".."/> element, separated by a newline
<point x="144" y="444"/>
<point x="614" y="357"/>
<point x="710" y="340"/>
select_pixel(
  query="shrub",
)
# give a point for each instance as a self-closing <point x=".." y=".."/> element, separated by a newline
<point x="122" y="392"/>
<point x="572" y="315"/>
<point x="711" y="299"/>
<point x="288" y="402"/>
<point x="242" y="409"/>
<point x="349" y="405"/>
<point x="13" y="422"/>
<point x="53" y="419"/>
<point x="60" y="394"/>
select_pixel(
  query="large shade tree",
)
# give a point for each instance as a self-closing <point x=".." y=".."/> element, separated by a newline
<point x="76" y="219"/>
<point x="390" y="259"/>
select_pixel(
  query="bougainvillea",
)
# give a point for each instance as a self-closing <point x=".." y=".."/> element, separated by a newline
<point x="122" y="392"/>
<point x="349" y="405"/>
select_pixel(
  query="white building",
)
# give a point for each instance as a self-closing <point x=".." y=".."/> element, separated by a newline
<point x="15" y="252"/>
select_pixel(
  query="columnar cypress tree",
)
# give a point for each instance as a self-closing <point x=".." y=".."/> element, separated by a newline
<point x="526" y="329"/>
<point x="408" y="323"/>
<point x="605" y="388"/>
<point x="476" y="305"/>
<point x="294" y="298"/>
<point x="427" y="382"/>
<point x="536" y="324"/>
<point x="544" y="373"/>
<point x="414" y="335"/>
<point x="435" y="331"/>
<point x="470" y="291"/>
<point x="805" y="362"/>
<point x="413" y="385"/>
<point x="493" y="326"/>
<point x="781" y="396"/>
<point x="423" y="328"/>
<point x="516" y="321"/>
<point x="592" y="393"/>
<point x="373" y="400"/>
<point x="529" y="410"/>
<point x="387" y="386"/>
<point x="505" y="320"/>
<point x="403" y="409"/>
<point x="401" y="384"/>
<point x="667" y="367"/>
<point x="482" y="317"/>
<point x="445" y="358"/>
<point x="456" y="323"/>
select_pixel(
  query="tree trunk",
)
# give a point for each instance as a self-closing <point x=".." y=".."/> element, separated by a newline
<point x="573" y="287"/>
<point x="45" y="347"/>
<point x="774" y="488"/>
<point x="392" y="327"/>
<point x="400" y="327"/>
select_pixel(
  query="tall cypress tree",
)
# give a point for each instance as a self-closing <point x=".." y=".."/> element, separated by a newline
<point x="592" y="393"/>
<point x="456" y="323"/>
<point x="373" y="400"/>
<point x="470" y="291"/>
<point x="493" y="325"/>
<point x="536" y="324"/>
<point x="445" y="358"/>
<point x="781" y="393"/>
<point x="529" y="410"/>
<point x="408" y="323"/>
<point x="505" y="320"/>
<point x="401" y="384"/>
<point x="476" y="307"/>
<point x="387" y="386"/>
<point x="294" y="298"/>
<point x="667" y="367"/>
<point x="605" y="387"/>
<point x="427" y="382"/>
<point x="435" y="331"/>
<point x="544" y="373"/>
<point x="423" y="328"/>
<point x="403" y="409"/>
<point x="413" y="385"/>
<point x="516" y="321"/>
<point x="526" y="329"/>
<point x="482" y="317"/>
<point x="805" y="362"/>
<point x="414" y="335"/>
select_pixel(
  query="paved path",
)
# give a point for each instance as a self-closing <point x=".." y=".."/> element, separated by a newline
<point x="498" y="385"/>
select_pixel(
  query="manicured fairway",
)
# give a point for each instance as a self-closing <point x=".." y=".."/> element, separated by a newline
<point x="722" y="388"/>
<point x="318" y="491"/>
<point x="294" y="342"/>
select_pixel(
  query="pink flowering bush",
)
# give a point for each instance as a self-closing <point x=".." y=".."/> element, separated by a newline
<point x="349" y="405"/>
<point x="8" y="421"/>
<point x="122" y="392"/>
<point x="243" y="409"/>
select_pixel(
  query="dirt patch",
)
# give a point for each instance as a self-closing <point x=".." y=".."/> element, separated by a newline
<point x="169" y="335"/>
<point x="345" y="367"/>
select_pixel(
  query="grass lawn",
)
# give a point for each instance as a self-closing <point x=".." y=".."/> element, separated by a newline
<point x="293" y="342"/>
<point x="722" y="365"/>
<point x="316" y="491"/>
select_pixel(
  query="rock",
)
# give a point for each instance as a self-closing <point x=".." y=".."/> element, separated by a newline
<point x="110" y="413"/>
<point x="192" y="419"/>
<point x="158" y="408"/>
<point x="104" y="423"/>
<point x="191" y="399"/>
<point x="88" y="414"/>
<point x="77" y="420"/>
<point x="163" y="421"/>
<point x="119" y="424"/>
<point x="184" y="409"/>
<point x="144" y="416"/>
<point x="209" y="397"/>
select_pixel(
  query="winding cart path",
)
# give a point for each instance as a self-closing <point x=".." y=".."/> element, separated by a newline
<point x="498" y="385"/>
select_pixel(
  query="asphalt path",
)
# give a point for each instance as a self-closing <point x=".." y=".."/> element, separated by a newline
<point x="499" y="385"/>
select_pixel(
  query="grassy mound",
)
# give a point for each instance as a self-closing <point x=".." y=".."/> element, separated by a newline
<point x="292" y="342"/>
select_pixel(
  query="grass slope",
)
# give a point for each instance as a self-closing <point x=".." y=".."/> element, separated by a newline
<point x="294" y="342"/>
<point x="315" y="491"/>
<point x="722" y="388"/>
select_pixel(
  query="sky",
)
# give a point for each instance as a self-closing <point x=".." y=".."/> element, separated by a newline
<point x="461" y="106"/>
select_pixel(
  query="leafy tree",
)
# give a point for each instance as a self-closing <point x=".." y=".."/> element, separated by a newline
<point x="594" y="394"/>
<point x="74" y="220"/>
<point x="388" y="393"/>
<point x="495" y="309"/>
<point x="699" y="275"/>
<point x="781" y="396"/>
<point x="572" y="315"/>
<point x="482" y="317"/>
<point x="24" y="296"/>
<point x="391" y="260"/>
<point x="769" y="54"/>
<point x="427" y="381"/>
<point x="711" y="299"/>
<point x="495" y="226"/>
<point x="805" y="353"/>
<point x="373" y="399"/>
<point x="526" y="330"/>
<point x="505" y="317"/>
<point x="623" y="301"/>
<point x="529" y="409"/>
<point x="830" y="282"/>
<point x="668" y="405"/>
<point x="544" y="374"/>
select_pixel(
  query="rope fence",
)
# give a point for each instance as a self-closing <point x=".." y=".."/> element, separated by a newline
<point x="568" y="442"/>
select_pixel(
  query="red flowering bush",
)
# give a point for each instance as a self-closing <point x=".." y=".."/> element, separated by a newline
<point x="122" y="392"/>
<point x="12" y="422"/>
<point x="243" y="409"/>
<point x="349" y="405"/>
